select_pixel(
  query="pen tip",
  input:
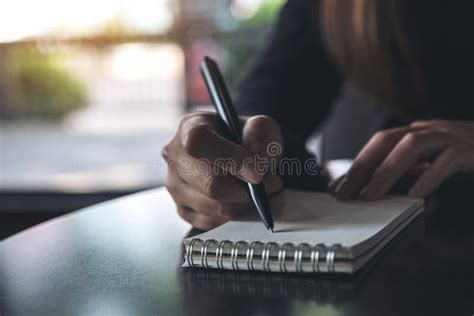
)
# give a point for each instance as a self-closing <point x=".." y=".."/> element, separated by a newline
<point x="271" y="229"/>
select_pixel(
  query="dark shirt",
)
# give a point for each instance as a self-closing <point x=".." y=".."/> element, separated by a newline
<point x="296" y="82"/>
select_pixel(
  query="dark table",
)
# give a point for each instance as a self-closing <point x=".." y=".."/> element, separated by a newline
<point x="123" y="258"/>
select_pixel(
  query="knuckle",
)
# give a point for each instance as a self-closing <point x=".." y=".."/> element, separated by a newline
<point x="205" y="224"/>
<point x="184" y="120"/>
<point x="225" y="212"/>
<point x="171" y="185"/>
<point x="219" y="208"/>
<point x="418" y="122"/>
<point x="441" y="123"/>
<point x="262" y="121"/>
<point x="455" y="152"/>
<point x="190" y="116"/>
<point x="203" y="206"/>
<point x="452" y="152"/>
<point x="273" y="183"/>
<point x="185" y="214"/>
<point x="412" y="138"/>
<point x="440" y="133"/>
<point x="466" y="158"/>
<point x="449" y="159"/>
<point x="228" y="152"/>
<point x="443" y="127"/>
<point x="212" y="186"/>
<point x="358" y="167"/>
<point x="192" y="136"/>
<point x="166" y="152"/>
<point x="381" y="136"/>
<point x="264" y="126"/>
<point x="236" y="210"/>
<point x="197" y="117"/>
<point x="181" y="213"/>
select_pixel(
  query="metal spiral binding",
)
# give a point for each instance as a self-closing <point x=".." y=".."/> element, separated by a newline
<point x="298" y="257"/>
<point x="329" y="260"/>
<point x="204" y="262"/>
<point x="314" y="257"/>
<point x="266" y="256"/>
<point x="316" y="253"/>
<point x="282" y="257"/>
<point x="330" y="256"/>
<point x="220" y="252"/>
<point x="249" y="255"/>
<point x="190" y="251"/>
<point x="234" y="254"/>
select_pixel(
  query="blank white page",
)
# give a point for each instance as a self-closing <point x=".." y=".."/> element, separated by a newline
<point x="314" y="217"/>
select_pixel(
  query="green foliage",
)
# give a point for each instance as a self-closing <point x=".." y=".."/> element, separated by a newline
<point x="115" y="27"/>
<point x="266" y="14"/>
<point x="242" y="51"/>
<point x="44" y="87"/>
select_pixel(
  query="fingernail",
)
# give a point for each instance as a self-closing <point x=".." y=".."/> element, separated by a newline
<point x="340" y="189"/>
<point x="369" y="192"/>
<point x="417" y="190"/>
<point x="373" y="189"/>
<point x="249" y="174"/>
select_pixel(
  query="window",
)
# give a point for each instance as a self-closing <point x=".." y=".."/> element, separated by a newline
<point x="90" y="91"/>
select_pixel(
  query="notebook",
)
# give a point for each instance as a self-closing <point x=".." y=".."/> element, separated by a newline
<point x="314" y="233"/>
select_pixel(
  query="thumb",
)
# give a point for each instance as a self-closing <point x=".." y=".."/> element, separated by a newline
<point x="261" y="135"/>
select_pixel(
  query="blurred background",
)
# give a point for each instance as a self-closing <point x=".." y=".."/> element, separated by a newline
<point x="90" y="91"/>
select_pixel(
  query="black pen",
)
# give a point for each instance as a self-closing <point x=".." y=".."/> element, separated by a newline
<point x="225" y="110"/>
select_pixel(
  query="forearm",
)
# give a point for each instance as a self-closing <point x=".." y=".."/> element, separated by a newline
<point x="293" y="81"/>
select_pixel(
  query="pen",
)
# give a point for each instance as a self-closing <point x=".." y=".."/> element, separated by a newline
<point x="228" y="117"/>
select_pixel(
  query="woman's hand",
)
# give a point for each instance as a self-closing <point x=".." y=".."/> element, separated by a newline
<point x="204" y="168"/>
<point x="437" y="149"/>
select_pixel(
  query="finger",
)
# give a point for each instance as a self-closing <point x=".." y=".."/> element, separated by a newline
<point x="462" y="129"/>
<point x="451" y="160"/>
<point x="403" y="185"/>
<point x="334" y="184"/>
<point x="412" y="149"/>
<point x="197" y="220"/>
<point x="184" y="194"/>
<point x="201" y="141"/>
<point x="223" y="187"/>
<point x="260" y="131"/>
<point x="212" y="182"/>
<point x="367" y="161"/>
<point x="261" y="136"/>
<point x="443" y="124"/>
<point x="427" y="123"/>
<point x="272" y="183"/>
<point x="200" y="174"/>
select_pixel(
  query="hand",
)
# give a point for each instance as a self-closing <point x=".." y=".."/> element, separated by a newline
<point x="435" y="149"/>
<point x="204" y="168"/>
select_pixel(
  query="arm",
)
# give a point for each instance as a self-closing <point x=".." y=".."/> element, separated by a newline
<point x="293" y="81"/>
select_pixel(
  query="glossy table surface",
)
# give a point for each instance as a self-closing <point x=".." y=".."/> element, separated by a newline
<point x="123" y="257"/>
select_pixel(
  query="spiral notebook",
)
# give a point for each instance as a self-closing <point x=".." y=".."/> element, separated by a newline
<point x="314" y="233"/>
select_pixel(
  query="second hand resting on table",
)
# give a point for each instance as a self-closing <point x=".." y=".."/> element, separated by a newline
<point x="208" y="193"/>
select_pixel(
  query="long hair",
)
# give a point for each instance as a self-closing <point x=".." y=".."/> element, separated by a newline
<point x="374" y="42"/>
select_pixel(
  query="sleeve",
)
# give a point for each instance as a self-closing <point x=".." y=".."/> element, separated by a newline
<point x="293" y="81"/>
